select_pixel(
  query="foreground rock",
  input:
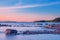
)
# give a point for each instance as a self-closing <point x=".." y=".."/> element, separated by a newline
<point x="10" y="31"/>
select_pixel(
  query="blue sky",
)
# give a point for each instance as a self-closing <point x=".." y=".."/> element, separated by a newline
<point x="34" y="9"/>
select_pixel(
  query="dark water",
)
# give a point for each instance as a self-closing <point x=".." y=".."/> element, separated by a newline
<point x="30" y="37"/>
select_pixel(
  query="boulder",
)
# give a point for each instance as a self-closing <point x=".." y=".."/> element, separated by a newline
<point x="10" y="31"/>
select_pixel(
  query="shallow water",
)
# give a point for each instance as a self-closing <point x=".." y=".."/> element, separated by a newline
<point x="30" y="37"/>
<point x="27" y="37"/>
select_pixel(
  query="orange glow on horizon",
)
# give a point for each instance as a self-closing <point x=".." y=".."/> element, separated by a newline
<point x="22" y="18"/>
<point x="10" y="15"/>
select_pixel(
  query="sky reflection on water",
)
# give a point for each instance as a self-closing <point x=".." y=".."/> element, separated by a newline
<point x="30" y="37"/>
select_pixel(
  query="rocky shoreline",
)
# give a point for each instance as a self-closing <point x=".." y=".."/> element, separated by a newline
<point x="14" y="32"/>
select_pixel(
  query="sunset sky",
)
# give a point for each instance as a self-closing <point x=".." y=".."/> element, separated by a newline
<point x="29" y="10"/>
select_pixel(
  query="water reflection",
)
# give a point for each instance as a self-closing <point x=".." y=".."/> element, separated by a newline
<point x="30" y="37"/>
<point x="10" y="37"/>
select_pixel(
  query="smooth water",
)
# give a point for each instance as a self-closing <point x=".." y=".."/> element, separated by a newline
<point x="30" y="37"/>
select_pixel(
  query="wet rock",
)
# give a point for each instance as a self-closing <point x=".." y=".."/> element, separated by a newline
<point x="10" y="31"/>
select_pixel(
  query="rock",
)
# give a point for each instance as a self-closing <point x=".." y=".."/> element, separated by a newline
<point x="10" y="31"/>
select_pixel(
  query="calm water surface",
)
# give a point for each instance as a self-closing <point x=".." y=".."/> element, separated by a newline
<point x="30" y="37"/>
